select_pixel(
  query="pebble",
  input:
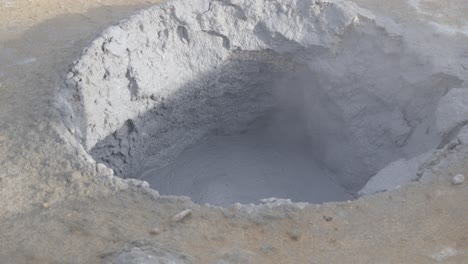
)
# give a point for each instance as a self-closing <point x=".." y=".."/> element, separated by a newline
<point x="458" y="179"/>
<point x="155" y="232"/>
<point x="294" y="234"/>
<point x="103" y="170"/>
<point x="180" y="216"/>
<point x="74" y="176"/>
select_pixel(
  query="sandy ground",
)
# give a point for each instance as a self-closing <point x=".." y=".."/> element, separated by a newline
<point x="39" y="39"/>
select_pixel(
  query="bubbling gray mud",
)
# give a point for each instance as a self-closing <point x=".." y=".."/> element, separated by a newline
<point x="179" y="95"/>
<point x="271" y="158"/>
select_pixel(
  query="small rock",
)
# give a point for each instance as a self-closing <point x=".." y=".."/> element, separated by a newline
<point x="143" y="252"/>
<point x="138" y="183"/>
<point x="45" y="205"/>
<point x="180" y="216"/>
<point x="155" y="232"/>
<point x="294" y="234"/>
<point x="458" y="179"/>
<point x="74" y="176"/>
<point x="102" y="170"/>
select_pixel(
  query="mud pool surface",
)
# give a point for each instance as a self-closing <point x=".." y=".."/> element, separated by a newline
<point x="259" y="163"/>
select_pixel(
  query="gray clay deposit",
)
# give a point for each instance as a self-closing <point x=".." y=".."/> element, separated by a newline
<point x="227" y="101"/>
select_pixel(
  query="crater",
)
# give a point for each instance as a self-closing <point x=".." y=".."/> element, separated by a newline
<point x="306" y="101"/>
